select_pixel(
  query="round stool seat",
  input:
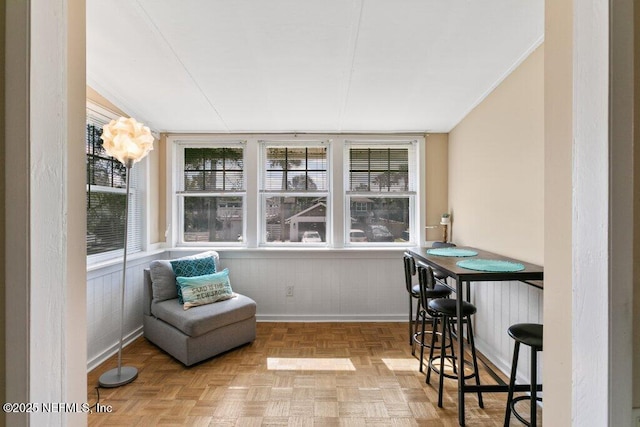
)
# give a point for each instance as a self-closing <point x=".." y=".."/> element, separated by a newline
<point x="448" y="307"/>
<point x="527" y="333"/>
<point x="438" y="291"/>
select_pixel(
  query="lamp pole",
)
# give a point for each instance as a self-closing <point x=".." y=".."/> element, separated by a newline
<point x="122" y="374"/>
<point x="128" y="141"/>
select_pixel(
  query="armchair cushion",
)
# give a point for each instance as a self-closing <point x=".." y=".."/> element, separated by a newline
<point x="205" y="318"/>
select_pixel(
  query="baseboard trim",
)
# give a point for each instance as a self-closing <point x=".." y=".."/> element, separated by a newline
<point x="300" y="318"/>
<point x="498" y="362"/>
<point x="113" y="349"/>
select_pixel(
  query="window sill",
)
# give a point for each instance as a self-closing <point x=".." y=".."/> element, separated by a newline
<point x="119" y="259"/>
<point x="295" y="253"/>
<point x="258" y="253"/>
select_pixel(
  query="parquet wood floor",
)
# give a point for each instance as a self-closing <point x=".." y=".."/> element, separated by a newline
<point x="374" y="382"/>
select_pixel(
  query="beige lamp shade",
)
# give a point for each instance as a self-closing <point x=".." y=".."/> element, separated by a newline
<point x="127" y="140"/>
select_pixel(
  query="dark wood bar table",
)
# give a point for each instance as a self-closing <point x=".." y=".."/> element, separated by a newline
<point x="531" y="274"/>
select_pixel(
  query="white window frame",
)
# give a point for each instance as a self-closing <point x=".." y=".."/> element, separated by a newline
<point x="412" y="194"/>
<point x="265" y="194"/>
<point x="338" y="222"/>
<point x="179" y="193"/>
<point x="137" y="202"/>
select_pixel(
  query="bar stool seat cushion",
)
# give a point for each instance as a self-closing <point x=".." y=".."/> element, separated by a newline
<point x="527" y="333"/>
<point x="415" y="290"/>
<point x="448" y="307"/>
<point x="439" y="291"/>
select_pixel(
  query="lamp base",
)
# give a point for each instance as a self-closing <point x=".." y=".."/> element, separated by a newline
<point x="111" y="378"/>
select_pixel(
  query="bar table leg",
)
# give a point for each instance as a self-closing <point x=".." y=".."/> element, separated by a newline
<point x="459" y="298"/>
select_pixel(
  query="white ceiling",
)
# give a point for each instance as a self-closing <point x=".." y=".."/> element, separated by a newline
<point x="305" y="65"/>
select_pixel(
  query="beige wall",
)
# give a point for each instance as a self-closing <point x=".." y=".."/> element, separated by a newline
<point x="157" y="190"/>
<point x="96" y="98"/>
<point x="496" y="168"/>
<point x="437" y="182"/>
<point x="558" y="107"/>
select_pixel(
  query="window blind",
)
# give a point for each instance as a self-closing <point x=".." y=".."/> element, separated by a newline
<point x="384" y="169"/>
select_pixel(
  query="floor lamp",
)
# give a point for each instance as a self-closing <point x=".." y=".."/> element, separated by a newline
<point x="129" y="142"/>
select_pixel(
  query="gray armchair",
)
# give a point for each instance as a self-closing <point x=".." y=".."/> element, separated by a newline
<point x="198" y="333"/>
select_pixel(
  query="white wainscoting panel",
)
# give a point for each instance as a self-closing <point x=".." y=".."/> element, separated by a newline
<point x="500" y="305"/>
<point x="328" y="285"/>
<point x="103" y="307"/>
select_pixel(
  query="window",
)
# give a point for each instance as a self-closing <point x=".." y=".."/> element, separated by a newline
<point x="380" y="191"/>
<point x="212" y="194"/>
<point x="294" y="193"/>
<point x="106" y="188"/>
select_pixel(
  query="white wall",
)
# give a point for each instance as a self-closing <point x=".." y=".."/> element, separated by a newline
<point x="45" y="265"/>
<point x="603" y="187"/>
<point x="328" y="285"/>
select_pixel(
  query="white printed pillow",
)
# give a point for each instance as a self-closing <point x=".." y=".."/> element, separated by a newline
<point x="206" y="289"/>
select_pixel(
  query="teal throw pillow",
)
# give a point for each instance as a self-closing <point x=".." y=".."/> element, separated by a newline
<point x="191" y="268"/>
<point x="206" y="289"/>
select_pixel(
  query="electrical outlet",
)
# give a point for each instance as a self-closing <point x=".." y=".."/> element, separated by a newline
<point x="289" y="291"/>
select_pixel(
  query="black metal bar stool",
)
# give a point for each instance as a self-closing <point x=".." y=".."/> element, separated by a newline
<point x="414" y="293"/>
<point x="528" y="334"/>
<point x="428" y="290"/>
<point x="446" y="309"/>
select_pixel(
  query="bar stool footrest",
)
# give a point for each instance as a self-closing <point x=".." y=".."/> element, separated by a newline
<point x="515" y="413"/>
<point x="433" y="365"/>
<point x="417" y="340"/>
